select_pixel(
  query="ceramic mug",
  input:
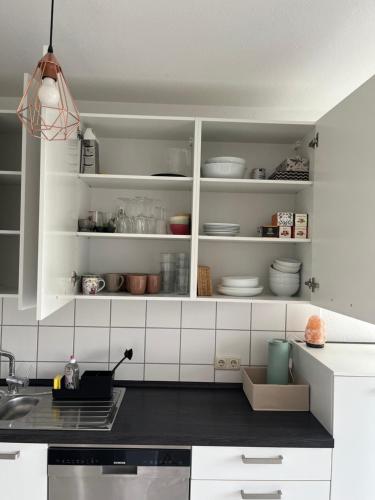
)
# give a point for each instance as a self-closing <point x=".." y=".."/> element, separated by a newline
<point x="113" y="281"/>
<point x="153" y="283"/>
<point x="136" y="283"/>
<point x="92" y="284"/>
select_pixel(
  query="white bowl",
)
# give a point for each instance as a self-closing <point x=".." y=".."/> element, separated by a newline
<point x="288" y="261"/>
<point x="284" y="290"/>
<point x="224" y="170"/>
<point x="226" y="159"/>
<point x="240" y="281"/>
<point x="284" y="269"/>
<point x="239" y="292"/>
<point x="282" y="274"/>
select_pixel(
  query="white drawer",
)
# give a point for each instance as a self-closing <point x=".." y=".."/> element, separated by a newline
<point x="261" y="463"/>
<point x="259" y="490"/>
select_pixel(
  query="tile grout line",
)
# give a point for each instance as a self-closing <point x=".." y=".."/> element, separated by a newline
<point x="145" y="340"/>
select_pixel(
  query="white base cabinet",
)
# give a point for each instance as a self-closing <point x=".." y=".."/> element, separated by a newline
<point x="260" y="473"/>
<point x="23" y="471"/>
<point x="259" y="490"/>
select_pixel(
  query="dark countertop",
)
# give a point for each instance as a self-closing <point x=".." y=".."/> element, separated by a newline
<point x="185" y="415"/>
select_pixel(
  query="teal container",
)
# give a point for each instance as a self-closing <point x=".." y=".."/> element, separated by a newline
<point x="278" y="362"/>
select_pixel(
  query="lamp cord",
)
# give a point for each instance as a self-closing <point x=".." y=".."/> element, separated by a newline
<point x="50" y="48"/>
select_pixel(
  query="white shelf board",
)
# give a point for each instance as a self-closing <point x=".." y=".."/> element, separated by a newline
<point x="8" y="292"/>
<point x="109" y="181"/>
<point x="252" y="186"/>
<point x="258" y="298"/>
<point x="132" y="236"/>
<point x="4" y="232"/>
<point x="252" y="239"/>
<point x="11" y="177"/>
<point x="251" y="131"/>
<point x="129" y="296"/>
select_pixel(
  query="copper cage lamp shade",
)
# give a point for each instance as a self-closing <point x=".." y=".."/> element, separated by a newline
<point x="51" y="119"/>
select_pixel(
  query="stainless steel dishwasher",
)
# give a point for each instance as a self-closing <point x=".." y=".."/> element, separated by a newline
<point x="118" y="473"/>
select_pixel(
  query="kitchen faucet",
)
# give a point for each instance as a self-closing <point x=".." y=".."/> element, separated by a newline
<point x="12" y="380"/>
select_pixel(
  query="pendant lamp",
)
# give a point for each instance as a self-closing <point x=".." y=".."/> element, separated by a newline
<point x="47" y="108"/>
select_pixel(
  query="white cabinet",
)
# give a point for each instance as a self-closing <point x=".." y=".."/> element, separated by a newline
<point x="342" y="390"/>
<point x="134" y="148"/>
<point x="23" y="471"/>
<point x="256" y="473"/>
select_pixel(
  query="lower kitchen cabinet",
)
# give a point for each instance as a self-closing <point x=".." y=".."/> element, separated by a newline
<point x="23" y="471"/>
<point x="257" y="490"/>
<point x="228" y="473"/>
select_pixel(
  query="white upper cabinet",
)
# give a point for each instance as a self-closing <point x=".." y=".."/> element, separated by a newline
<point x="343" y="238"/>
<point x="58" y="214"/>
<point x="29" y="217"/>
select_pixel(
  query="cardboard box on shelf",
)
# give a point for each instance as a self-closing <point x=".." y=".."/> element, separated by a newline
<point x="283" y="219"/>
<point x="285" y="232"/>
<point x="300" y="220"/>
<point x="299" y="232"/>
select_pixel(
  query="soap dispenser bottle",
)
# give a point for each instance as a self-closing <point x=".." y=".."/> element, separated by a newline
<point x="71" y="374"/>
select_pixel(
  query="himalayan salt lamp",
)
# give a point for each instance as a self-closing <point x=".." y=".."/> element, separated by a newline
<point x="315" y="332"/>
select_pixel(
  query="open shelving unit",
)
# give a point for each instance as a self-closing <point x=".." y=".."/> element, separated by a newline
<point x="10" y="201"/>
<point x="133" y="150"/>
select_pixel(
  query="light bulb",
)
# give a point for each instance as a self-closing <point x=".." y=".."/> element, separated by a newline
<point x="48" y="93"/>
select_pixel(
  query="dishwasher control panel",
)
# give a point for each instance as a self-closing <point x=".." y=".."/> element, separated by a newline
<point x="142" y="457"/>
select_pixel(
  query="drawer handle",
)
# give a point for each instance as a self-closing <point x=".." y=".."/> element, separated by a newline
<point x="271" y="460"/>
<point x="12" y="455"/>
<point x="261" y="496"/>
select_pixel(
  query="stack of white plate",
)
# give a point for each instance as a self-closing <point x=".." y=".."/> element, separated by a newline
<point x="240" y="286"/>
<point x="221" y="229"/>
<point x="285" y="277"/>
<point x="229" y="167"/>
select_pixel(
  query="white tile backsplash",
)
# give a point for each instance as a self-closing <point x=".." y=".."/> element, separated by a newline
<point x="91" y="344"/>
<point x="127" y="338"/>
<point x="268" y="316"/>
<point x="198" y="314"/>
<point x="128" y="314"/>
<point x="98" y="331"/>
<point x="233" y="343"/>
<point x="162" y="345"/>
<point x="197" y="373"/>
<point x="62" y="317"/>
<point x="163" y="314"/>
<point x="13" y="316"/>
<point x="197" y="346"/>
<point x="55" y="343"/>
<point x="21" y="341"/>
<point x="232" y="316"/>
<point x="95" y="313"/>
<point x="162" y="372"/>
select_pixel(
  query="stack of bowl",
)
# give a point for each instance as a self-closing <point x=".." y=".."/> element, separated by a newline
<point x="180" y="224"/>
<point x="229" y="167"/>
<point x="285" y="277"/>
<point x="240" y="286"/>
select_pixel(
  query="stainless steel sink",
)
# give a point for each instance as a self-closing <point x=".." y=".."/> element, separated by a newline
<point x="34" y="408"/>
<point x="17" y="407"/>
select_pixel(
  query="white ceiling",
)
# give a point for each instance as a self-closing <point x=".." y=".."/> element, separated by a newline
<point x="299" y="54"/>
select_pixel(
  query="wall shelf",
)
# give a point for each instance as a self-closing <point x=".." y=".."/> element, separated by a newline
<point x="137" y="182"/>
<point x="255" y="239"/>
<point x="133" y="236"/>
<point x="11" y="177"/>
<point x="253" y="186"/>
<point x="4" y="232"/>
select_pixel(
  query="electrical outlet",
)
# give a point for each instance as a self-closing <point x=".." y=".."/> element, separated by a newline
<point x="234" y="363"/>
<point x="227" y="363"/>
<point x="220" y="363"/>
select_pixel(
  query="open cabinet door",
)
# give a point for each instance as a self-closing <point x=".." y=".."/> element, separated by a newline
<point x="343" y="248"/>
<point x="28" y="253"/>
<point x="58" y="215"/>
